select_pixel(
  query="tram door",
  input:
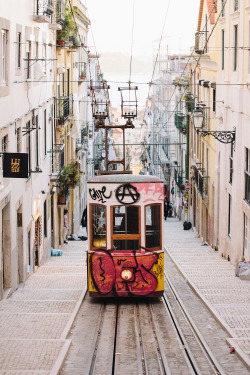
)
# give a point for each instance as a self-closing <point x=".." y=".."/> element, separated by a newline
<point x="125" y="227"/>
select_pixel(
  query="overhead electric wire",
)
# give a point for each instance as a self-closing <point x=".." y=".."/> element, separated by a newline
<point x="132" y="42"/>
<point x="157" y="53"/>
<point x="197" y="62"/>
<point x="184" y="69"/>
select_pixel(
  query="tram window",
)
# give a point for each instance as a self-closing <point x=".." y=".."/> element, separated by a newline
<point x="126" y="244"/>
<point x="126" y="220"/>
<point x="153" y="226"/>
<point x="98" y="226"/>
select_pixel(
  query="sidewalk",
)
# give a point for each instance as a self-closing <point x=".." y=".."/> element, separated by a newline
<point x="213" y="279"/>
<point x="35" y="320"/>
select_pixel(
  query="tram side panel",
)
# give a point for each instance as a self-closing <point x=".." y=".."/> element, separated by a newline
<point x="125" y="256"/>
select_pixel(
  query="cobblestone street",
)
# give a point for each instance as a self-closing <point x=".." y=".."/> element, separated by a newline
<point x="213" y="279"/>
<point x="35" y="320"/>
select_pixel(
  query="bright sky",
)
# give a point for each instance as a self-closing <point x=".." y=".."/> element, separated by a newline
<point x="112" y="24"/>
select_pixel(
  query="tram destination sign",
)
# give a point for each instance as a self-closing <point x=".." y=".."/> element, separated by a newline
<point x="15" y="165"/>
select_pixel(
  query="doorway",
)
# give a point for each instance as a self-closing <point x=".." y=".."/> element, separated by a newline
<point x="6" y="247"/>
<point x="19" y="237"/>
<point x="38" y="240"/>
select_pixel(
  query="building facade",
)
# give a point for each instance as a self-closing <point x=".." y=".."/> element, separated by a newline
<point x="39" y="99"/>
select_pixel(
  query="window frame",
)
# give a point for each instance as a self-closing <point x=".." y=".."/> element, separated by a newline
<point x="231" y="164"/>
<point x="45" y="131"/>
<point x="4" y="57"/>
<point x="236" y="5"/>
<point x="247" y="176"/>
<point x="222" y="8"/>
<point x="45" y="229"/>
<point x="19" y="50"/>
<point x="93" y="248"/>
<point x="223" y="49"/>
<point x="229" y="229"/>
<point x="246" y="237"/>
<point x="235" y="49"/>
<point x="161" y="208"/>
<point x="125" y="236"/>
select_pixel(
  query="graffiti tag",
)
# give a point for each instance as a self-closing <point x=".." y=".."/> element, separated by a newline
<point x="127" y="194"/>
<point x="107" y="266"/>
<point x="99" y="194"/>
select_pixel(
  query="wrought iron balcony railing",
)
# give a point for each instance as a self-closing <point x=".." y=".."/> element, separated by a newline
<point x="57" y="159"/>
<point x="81" y="66"/>
<point x="178" y="179"/>
<point x="181" y="122"/>
<point x="44" y="7"/>
<point x="201" y="181"/>
<point x="60" y="11"/>
<point x="64" y="108"/>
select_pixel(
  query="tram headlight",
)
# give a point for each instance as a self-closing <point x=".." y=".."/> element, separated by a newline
<point x="126" y="275"/>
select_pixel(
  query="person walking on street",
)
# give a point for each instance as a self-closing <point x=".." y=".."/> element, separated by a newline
<point x="84" y="218"/>
<point x="166" y="208"/>
<point x="65" y="226"/>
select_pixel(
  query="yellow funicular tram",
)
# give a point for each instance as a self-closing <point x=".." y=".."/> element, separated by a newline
<point x="125" y="226"/>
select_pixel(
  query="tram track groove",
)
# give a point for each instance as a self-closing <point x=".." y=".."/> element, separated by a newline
<point x="97" y="339"/>
<point x="214" y="364"/>
<point x="139" y="334"/>
<point x="163" y="363"/>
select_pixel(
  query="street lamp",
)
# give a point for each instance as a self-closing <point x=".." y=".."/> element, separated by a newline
<point x="197" y="118"/>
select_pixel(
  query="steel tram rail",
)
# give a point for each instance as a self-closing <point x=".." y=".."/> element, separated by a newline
<point x="214" y="364"/>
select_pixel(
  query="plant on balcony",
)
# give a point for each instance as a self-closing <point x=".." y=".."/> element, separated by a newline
<point x="74" y="173"/>
<point x="82" y="75"/>
<point x="189" y="102"/>
<point x="68" y="27"/>
<point x="60" y="120"/>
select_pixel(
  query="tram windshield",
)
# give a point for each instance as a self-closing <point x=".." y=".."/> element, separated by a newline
<point x="98" y="226"/>
<point x="153" y="226"/>
<point x="126" y="230"/>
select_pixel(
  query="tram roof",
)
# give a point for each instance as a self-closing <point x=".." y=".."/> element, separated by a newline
<point x="124" y="178"/>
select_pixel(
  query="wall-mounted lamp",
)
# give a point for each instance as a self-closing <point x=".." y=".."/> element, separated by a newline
<point x="197" y="118"/>
<point x="53" y="190"/>
<point x="43" y="192"/>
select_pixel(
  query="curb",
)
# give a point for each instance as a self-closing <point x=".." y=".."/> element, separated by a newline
<point x="63" y="353"/>
<point x="231" y="340"/>
<point x="73" y="315"/>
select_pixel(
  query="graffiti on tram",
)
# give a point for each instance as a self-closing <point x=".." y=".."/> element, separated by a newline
<point x="125" y="274"/>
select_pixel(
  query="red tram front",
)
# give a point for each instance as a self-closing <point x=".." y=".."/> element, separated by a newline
<point x="125" y="236"/>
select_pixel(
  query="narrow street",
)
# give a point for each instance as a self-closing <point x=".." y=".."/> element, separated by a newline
<point x="43" y="313"/>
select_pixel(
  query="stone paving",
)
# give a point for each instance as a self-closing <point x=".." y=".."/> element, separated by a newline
<point x="35" y="320"/>
<point x="213" y="279"/>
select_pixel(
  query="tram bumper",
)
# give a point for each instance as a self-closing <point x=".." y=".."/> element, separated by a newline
<point x="125" y="273"/>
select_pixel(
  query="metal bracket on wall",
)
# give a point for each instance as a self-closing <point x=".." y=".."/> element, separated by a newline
<point x="222" y="136"/>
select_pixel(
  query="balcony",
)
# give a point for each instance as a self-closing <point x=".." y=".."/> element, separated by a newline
<point x="60" y="11"/>
<point x="200" y="42"/>
<point x="81" y="67"/>
<point x="64" y="109"/>
<point x="190" y="102"/>
<point x="57" y="160"/>
<point x="201" y="181"/>
<point x="181" y="122"/>
<point x="44" y="11"/>
<point x="179" y="180"/>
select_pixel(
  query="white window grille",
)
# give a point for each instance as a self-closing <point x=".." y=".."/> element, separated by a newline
<point x="4" y="57"/>
<point x="246" y="246"/>
<point x="19" y="40"/>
